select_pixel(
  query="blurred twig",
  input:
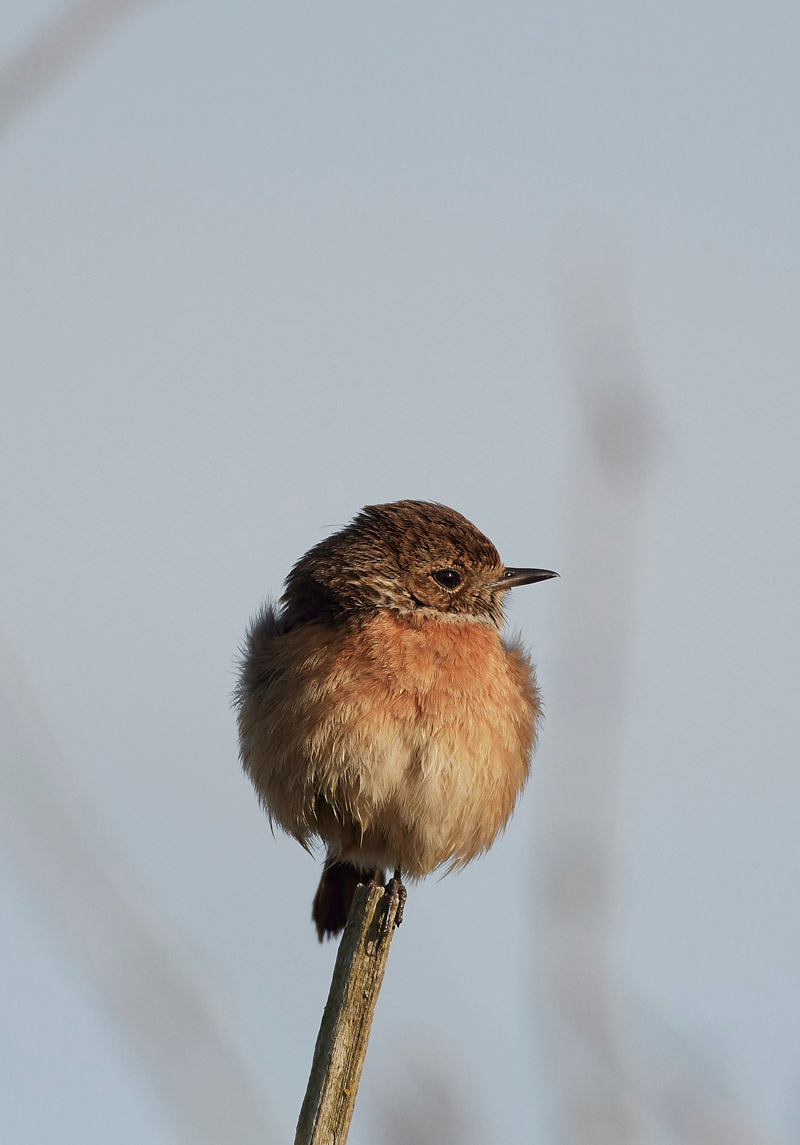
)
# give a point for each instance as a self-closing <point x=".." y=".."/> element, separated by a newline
<point x="344" y="1032"/>
<point x="57" y="48"/>
<point x="73" y="875"/>
<point x="607" y="517"/>
<point x="615" y="1085"/>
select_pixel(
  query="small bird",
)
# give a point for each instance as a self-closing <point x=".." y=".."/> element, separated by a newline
<point x="380" y="711"/>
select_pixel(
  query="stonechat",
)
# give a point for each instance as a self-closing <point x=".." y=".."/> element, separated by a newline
<point x="380" y="710"/>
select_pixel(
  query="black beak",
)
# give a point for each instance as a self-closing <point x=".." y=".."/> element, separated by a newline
<point x="513" y="578"/>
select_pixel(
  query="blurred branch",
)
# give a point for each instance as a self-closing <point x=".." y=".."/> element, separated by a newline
<point x="344" y="1033"/>
<point x="57" y="48"/>
<point x="615" y="1083"/>
<point x="607" y="517"/>
<point x="72" y="873"/>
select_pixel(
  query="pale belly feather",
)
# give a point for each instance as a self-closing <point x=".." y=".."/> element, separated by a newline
<point x="404" y="742"/>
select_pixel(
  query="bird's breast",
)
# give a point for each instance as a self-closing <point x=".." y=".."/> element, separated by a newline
<point x="437" y="666"/>
<point x="411" y="733"/>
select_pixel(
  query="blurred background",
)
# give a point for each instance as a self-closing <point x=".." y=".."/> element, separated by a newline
<point x="264" y="264"/>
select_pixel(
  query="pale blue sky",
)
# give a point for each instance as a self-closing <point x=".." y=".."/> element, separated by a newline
<point x="262" y="265"/>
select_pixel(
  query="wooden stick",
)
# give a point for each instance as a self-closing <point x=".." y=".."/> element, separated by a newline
<point x="344" y="1031"/>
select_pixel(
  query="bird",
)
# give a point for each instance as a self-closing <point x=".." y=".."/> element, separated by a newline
<point x="381" y="712"/>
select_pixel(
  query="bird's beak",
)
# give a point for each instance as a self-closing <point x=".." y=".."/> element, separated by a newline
<point x="513" y="578"/>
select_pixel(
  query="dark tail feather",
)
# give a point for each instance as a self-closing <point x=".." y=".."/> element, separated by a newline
<point x="334" y="896"/>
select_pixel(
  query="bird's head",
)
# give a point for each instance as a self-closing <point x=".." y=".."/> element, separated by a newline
<point x="407" y="556"/>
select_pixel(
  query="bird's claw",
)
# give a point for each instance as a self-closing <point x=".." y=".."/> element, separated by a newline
<point x="397" y="898"/>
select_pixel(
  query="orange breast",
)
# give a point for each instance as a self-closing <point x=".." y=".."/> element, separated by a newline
<point x="401" y="742"/>
<point x="441" y="664"/>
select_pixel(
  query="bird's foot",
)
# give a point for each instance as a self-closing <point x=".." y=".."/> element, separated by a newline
<point x="397" y="898"/>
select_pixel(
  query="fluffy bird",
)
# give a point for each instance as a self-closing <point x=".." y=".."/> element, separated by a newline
<point x="380" y="710"/>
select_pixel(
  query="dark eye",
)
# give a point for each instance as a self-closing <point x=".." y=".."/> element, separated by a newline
<point x="447" y="578"/>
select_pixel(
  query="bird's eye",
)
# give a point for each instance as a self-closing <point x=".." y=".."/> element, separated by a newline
<point x="447" y="578"/>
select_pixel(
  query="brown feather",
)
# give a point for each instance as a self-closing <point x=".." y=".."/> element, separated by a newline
<point x="334" y="896"/>
<point x="380" y="712"/>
